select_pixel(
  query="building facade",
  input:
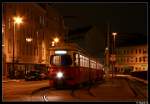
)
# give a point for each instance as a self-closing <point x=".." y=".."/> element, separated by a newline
<point x="134" y="58"/>
<point x="41" y="23"/>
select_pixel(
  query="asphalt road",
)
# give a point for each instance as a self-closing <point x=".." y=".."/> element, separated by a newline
<point x="118" y="89"/>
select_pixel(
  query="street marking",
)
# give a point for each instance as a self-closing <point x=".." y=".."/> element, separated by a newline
<point x="45" y="99"/>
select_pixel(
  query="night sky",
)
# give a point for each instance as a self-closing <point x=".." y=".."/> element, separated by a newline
<point x="125" y="18"/>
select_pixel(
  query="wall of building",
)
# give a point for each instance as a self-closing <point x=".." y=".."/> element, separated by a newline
<point x="133" y="57"/>
<point x="39" y="24"/>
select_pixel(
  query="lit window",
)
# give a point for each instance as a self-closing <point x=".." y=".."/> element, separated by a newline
<point x="76" y="59"/>
<point x="57" y="60"/>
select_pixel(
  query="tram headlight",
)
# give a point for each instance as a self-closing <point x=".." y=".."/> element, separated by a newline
<point x="59" y="75"/>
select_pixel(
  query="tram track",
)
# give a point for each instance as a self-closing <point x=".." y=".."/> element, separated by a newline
<point x="76" y="93"/>
<point x="86" y="89"/>
<point x="47" y="94"/>
<point x="136" y="88"/>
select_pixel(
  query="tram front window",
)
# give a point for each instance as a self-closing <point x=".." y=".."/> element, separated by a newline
<point x="61" y="60"/>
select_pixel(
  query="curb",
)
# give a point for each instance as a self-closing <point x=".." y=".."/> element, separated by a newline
<point x="134" y="78"/>
<point x="4" y="81"/>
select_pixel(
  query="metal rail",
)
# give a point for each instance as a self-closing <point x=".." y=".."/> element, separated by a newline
<point x="136" y="88"/>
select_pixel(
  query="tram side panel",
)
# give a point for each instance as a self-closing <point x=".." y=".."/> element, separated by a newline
<point x="81" y="70"/>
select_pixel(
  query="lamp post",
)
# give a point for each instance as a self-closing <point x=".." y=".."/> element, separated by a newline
<point x="17" y="20"/>
<point x="114" y="56"/>
<point x="114" y="34"/>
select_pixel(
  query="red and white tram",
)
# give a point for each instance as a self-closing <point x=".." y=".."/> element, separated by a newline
<point x="70" y="65"/>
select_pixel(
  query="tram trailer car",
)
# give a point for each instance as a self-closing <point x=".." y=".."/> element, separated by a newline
<point x="70" y="67"/>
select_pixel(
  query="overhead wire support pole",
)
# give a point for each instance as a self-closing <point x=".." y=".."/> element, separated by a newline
<point x="107" y="50"/>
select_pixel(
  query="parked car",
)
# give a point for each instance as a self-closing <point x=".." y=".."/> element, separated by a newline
<point x="32" y="75"/>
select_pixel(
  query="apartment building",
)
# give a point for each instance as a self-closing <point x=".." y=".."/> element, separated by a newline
<point x="32" y="38"/>
<point x="134" y="58"/>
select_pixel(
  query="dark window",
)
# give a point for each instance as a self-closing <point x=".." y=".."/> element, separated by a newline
<point x="139" y="50"/>
<point x="140" y="59"/>
<point x="61" y="60"/>
<point x="9" y="22"/>
<point x="127" y="59"/>
<point x="144" y="59"/>
<point x="131" y="51"/>
<point x="127" y="51"/>
<point x="124" y="51"/>
<point x="136" y="59"/>
<point x="9" y="45"/>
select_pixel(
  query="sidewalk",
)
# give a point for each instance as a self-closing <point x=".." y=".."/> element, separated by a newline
<point x="133" y="78"/>
<point x="114" y="90"/>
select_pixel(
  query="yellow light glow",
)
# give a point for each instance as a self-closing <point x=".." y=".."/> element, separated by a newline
<point x="114" y="33"/>
<point x="56" y="40"/>
<point x="59" y="75"/>
<point x="61" y="52"/>
<point x="106" y="48"/>
<point x="3" y="28"/>
<point x="28" y="39"/>
<point x="53" y="43"/>
<point x="18" y="20"/>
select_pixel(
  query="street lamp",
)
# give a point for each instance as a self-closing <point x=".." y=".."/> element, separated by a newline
<point x="114" y="34"/>
<point x="17" y="20"/>
<point x="28" y="39"/>
<point x="53" y="43"/>
<point x="56" y="40"/>
<point x="114" y="58"/>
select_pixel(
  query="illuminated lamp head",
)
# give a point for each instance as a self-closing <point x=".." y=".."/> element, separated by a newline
<point x="60" y="52"/>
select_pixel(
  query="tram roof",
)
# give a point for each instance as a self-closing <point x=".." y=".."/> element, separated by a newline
<point x="72" y="47"/>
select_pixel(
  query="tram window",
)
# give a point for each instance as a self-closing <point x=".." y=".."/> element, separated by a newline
<point x="66" y="60"/>
<point x="61" y="60"/>
<point x="81" y="60"/>
<point x="75" y="59"/>
<point x="57" y="60"/>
